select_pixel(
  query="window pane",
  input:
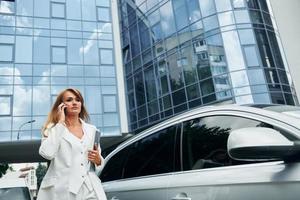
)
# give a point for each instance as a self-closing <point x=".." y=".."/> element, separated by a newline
<point x="246" y="36"/>
<point x="22" y="100"/>
<point x="205" y="140"/>
<point x="251" y="56"/>
<point x="110" y="119"/>
<point x="25" y="7"/>
<point x="233" y="50"/>
<point x="110" y="103"/>
<point x="90" y="52"/>
<point x="75" y="51"/>
<point x="103" y="14"/>
<point x="41" y="100"/>
<point x="113" y="169"/>
<point x="58" y="54"/>
<point x="167" y="19"/>
<point x="6" y="52"/>
<point x="207" y="7"/>
<point x="226" y="18"/>
<point x="7" y="7"/>
<point x="93" y="100"/>
<point x="5" y="105"/>
<point x="106" y="56"/>
<point x="58" y="10"/>
<point x="42" y="8"/>
<point x="239" y="3"/>
<point x="158" y="154"/>
<point x="41" y="50"/>
<point x="88" y="10"/>
<point x="73" y="9"/>
<point x="242" y="16"/>
<point x="223" y="5"/>
<point x="23" y="49"/>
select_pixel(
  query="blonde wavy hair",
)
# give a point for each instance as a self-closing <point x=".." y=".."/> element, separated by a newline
<point x="53" y="116"/>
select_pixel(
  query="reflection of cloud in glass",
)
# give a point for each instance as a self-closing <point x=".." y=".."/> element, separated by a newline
<point x="93" y="38"/>
<point x="5" y="106"/>
<point x="23" y="93"/>
<point x="5" y="7"/>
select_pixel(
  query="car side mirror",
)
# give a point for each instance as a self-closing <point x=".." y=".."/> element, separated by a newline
<point x="259" y="144"/>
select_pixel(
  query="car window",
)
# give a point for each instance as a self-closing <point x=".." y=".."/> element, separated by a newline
<point x="19" y="193"/>
<point x="205" y="140"/>
<point x="153" y="154"/>
<point x="114" y="168"/>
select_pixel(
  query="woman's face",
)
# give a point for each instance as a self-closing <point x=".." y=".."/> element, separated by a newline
<point x="73" y="103"/>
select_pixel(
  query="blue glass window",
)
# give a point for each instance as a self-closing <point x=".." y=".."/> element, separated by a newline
<point x="25" y="7"/>
<point x="207" y="7"/>
<point x="5" y="105"/>
<point x="42" y="8"/>
<point x="110" y="119"/>
<point x="41" y="100"/>
<point x="239" y="3"/>
<point x="251" y="56"/>
<point x="58" y="10"/>
<point x="41" y="52"/>
<point x="194" y="10"/>
<point x="242" y="16"/>
<point x="180" y="13"/>
<point x="103" y="14"/>
<point x="109" y="103"/>
<point x="106" y="56"/>
<point x="23" y="49"/>
<point x="93" y="99"/>
<point x="7" y="7"/>
<point x="103" y="3"/>
<point x="246" y="36"/>
<point x="6" y="52"/>
<point x="75" y="51"/>
<point x="88" y="10"/>
<point x="226" y="18"/>
<point x="167" y="19"/>
<point x="210" y="23"/>
<point x="223" y="5"/>
<point x="73" y="9"/>
<point x="58" y="54"/>
<point x="107" y="71"/>
<point x="90" y="52"/>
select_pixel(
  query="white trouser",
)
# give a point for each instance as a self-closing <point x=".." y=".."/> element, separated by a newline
<point x="86" y="192"/>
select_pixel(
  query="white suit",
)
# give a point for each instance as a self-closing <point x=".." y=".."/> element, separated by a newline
<point x="69" y="167"/>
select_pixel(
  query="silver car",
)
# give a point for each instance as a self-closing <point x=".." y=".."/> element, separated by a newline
<point x="212" y="153"/>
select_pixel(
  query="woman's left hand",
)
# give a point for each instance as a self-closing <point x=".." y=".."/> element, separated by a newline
<point x="94" y="156"/>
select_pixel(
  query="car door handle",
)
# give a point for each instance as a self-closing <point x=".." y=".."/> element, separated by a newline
<point x="181" y="196"/>
<point x="114" y="198"/>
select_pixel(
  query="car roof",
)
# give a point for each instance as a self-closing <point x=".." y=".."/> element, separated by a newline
<point x="12" y="182"/>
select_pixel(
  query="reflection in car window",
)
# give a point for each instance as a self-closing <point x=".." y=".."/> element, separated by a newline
<point x="113" y="170"/>
<point x="20" y="193"/>
<point x="205" y="140"/>
<point x="152" y="155"/>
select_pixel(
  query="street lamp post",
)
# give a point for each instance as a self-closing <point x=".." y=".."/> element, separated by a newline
<point x="29" y="122"/>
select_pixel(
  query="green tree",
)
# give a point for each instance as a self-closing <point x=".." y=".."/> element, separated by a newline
<point x="40" y="173"/>
<point x="3" y="168"/>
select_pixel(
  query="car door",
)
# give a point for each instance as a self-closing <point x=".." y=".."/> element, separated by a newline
<point x="208" y="173"/>
<point x="147" y="165"/>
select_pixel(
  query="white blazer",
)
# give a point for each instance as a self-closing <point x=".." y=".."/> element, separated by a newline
<point x="62" y="178"/>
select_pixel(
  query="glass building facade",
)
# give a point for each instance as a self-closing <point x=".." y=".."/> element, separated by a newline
<point x="181" y="54"/>
<point x="47" y="46"/>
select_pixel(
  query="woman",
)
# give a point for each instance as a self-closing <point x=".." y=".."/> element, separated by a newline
<point x="68" y="142"/>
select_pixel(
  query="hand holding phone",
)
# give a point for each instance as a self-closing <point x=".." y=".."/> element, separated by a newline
<point x="62" y="112"/>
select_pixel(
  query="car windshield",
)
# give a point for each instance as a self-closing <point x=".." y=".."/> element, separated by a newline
<point x="17" y="193"/>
